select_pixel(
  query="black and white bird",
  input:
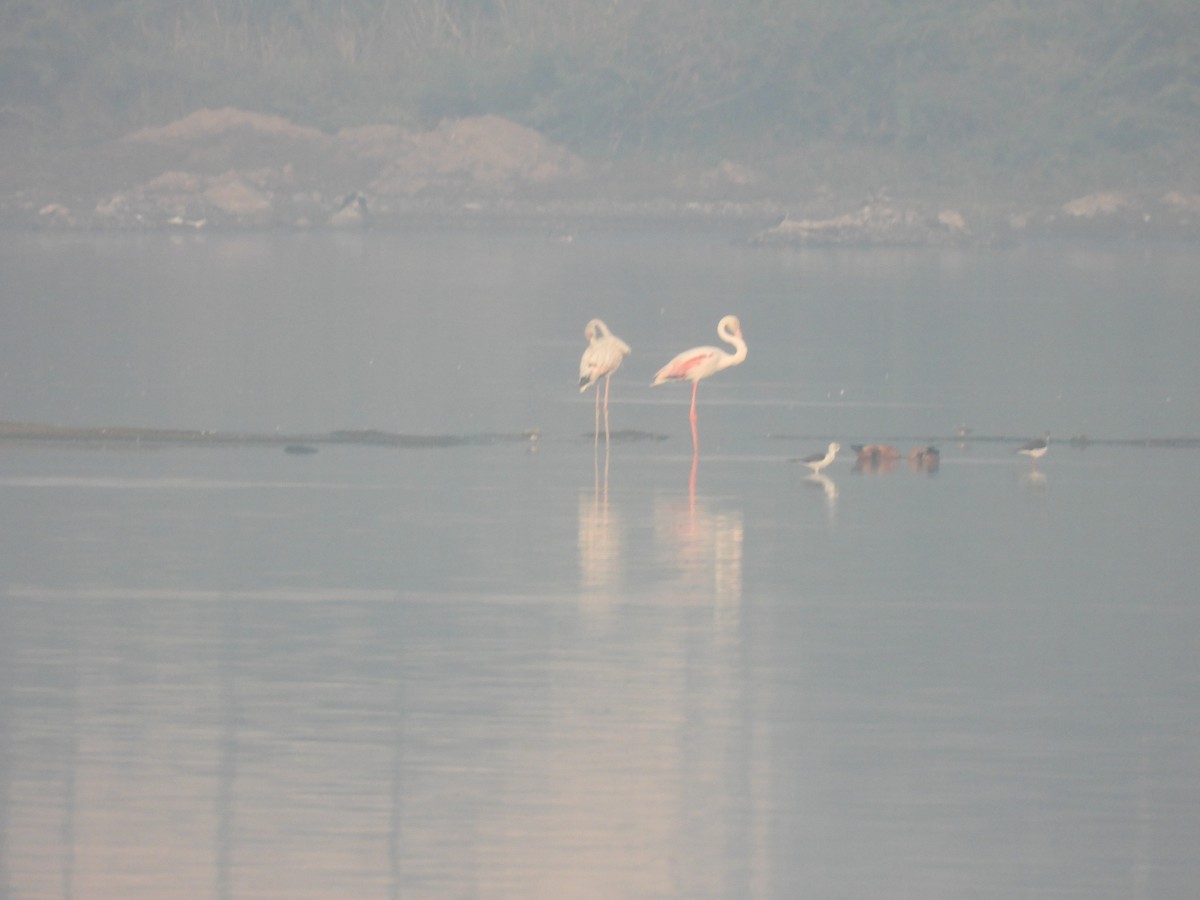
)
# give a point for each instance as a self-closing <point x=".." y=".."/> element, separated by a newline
<point x="818" y="461"/>
<point x="1036" y="448"/>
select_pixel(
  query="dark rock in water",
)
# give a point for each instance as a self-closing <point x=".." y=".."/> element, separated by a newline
<point x="300" y="449"/>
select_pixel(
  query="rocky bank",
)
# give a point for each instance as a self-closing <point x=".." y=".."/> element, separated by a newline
<point x="223" y="169"/>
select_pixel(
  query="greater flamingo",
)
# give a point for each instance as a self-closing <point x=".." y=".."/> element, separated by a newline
<point x="601" y="358"/>
<point x="818" y="461"/>
<point x="700" y="362"/>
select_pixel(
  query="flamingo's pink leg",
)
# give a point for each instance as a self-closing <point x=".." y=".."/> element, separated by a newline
<point x="692" y="484"/>
<point x="692" y="418"/>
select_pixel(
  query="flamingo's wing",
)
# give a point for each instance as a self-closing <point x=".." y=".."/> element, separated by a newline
<point x="589" y="367"/>
<point x="600" y="359"/>
<point x="613" y="353"/>
<point x="585" y="371"/>
<point x="685" y="364"/>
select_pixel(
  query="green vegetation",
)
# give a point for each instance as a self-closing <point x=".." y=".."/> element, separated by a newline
<point x="995" y="94"/>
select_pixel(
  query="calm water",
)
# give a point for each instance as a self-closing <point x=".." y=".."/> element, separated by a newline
<point x="513" y="670"/>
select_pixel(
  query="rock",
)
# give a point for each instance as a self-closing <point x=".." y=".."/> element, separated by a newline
<point x="55" y="214"/>
<point x="952" y="220"/>
<point x="1103" y="203"/>
<point x="180" y="221"/>
<point x="240" y="169"/>
<point x="876" y="223"/>
<point x="1181" y="202"/>
<point x="210" y="124"/>
<point x="487" y="153"/>
<point x="727" y="174"/>
<point x="233" y="196"/>
<point x="352" y="213"/>
<point x="232" y="168"/>
<point x="1020" y="221"/>
<point x="379" y="142"/>
<point x="174" y="182"/>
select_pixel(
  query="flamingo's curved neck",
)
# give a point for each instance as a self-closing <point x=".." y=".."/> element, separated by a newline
<point x="739" y="346"/>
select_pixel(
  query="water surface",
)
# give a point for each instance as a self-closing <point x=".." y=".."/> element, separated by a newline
<point x="531" y="669"/>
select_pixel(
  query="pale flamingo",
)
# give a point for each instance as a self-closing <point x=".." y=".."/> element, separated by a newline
<point x="700" y="362"/>
<point x="602" y="357"/>
<point x="818" y="461"/>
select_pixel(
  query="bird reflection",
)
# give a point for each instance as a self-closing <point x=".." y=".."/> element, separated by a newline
<point x="599" y="532"/>
<point x="1034" y="480"/>
<point x="704" y="546"/>
<point x="827" y="486"/>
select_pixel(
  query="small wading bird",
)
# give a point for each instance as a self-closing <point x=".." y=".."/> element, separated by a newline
<point x="700" y="362"/>
<point x="601" y="358"/>
<point x="818" y="461"/>
<point x="1036" y="448"/>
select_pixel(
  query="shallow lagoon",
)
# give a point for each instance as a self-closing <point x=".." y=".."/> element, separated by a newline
<point x="549" y="669"/>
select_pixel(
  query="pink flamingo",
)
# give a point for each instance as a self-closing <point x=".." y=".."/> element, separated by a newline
<point x="700" y="362"/>
<point x="602" y="357"/>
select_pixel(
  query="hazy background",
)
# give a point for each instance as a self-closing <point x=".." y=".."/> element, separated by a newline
<point x="543" y="668"/>
<point x="948" y="96"/>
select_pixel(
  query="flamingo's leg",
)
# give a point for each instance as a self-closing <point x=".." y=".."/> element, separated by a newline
<point x="596" y="432"/>
<point x="692" y="484"/>
<point x="692" y="419"/>
<point x="607" y="379"/>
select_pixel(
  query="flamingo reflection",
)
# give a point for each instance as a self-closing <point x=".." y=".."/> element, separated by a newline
<point x="599" y="533"/>
<point x="703" y="545"/>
